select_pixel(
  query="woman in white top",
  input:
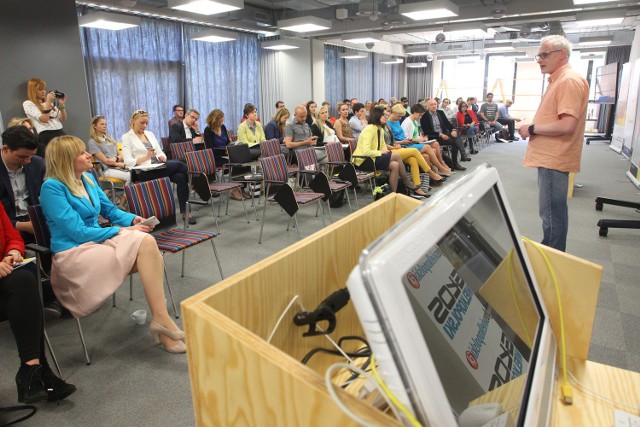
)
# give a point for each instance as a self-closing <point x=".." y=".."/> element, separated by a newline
<point x="140" y="148"/>
<point x="47" y="111"/>
<point x="429" y="150"/>
<point x="105" y="150"/>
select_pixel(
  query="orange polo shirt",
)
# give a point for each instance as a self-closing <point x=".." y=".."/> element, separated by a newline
<point x="567" y="93"/>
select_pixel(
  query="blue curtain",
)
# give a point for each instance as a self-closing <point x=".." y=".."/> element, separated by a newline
<point x="222" y="75"/>
<point x="136" y="68"/>
<point x="333" y="77"/>
<point x="388" y="79"/>
<point x="358" y="75"/>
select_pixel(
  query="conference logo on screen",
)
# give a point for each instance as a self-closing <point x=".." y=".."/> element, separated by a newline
<point x="413" y="280"/>
<point x="471" y="359"/>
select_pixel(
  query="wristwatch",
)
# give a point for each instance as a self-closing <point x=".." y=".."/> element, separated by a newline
<point x="532" y="129"/>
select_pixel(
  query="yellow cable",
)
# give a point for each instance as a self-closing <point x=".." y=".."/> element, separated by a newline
<point x="567" y="390"/>
<point x="513" y="293"/>
<point x="414" y="422"/>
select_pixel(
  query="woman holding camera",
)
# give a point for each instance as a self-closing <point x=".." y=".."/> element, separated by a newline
<point x="48" y="111"/>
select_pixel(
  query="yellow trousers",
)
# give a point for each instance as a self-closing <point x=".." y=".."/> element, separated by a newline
<point x="414" y="159"/>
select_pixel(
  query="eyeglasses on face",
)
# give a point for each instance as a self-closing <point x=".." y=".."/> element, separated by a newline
<point x="544" y="55"/>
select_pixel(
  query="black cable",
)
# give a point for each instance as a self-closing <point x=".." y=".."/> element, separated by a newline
<point x="9" y="409"/>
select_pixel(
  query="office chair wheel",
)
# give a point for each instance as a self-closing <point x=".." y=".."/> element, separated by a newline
<point x="598" y="206"/>
<point x="603" y="231"/>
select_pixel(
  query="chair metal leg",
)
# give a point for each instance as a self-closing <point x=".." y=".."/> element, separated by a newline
<point x="166" y="278"/>
<point x="346" y="191"/>
<point x="295" y="217"/>
<point x="215" y="252"/>
<point x="84" y="344"/>
<point x="355" y="195"/>
<point x="329" y="208"/>
<point x="215" y="217"/>
<point x="182" y="272"/>
<point x="53" y="355"/>
<point x="245" y="211"/>
<point x="114" y="299"/>
<point x="130" y="287"/>
<point x="321" y="211"/>
<point x="264" y="214"/>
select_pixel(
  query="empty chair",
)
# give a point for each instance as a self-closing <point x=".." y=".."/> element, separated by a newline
<point x="178" y="149"/>
<point x="275" y="175"/>
<point x="272" y="147"/>
<point x="346" y="170"/>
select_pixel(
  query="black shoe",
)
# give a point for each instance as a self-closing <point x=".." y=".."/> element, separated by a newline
<point x="465" y="159"/>
<point x="53" y="309"/>
<point x="57" y="389"/>
<point x="459" y="167"/>
<point x="474" y="151"/>
<point x="30" y="386"/>
<point x="435" y="182"/>
<point x="192" y="221"/>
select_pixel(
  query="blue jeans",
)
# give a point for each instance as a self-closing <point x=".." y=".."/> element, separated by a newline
<point x="552" y="198"/>
<point x="470" y="131"/>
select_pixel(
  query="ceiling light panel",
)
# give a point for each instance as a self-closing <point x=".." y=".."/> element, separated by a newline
<point x="108" y="21"/>
<point x="206" y="7"/>
<point x="304" y="24"/>
<point x="433" y="9"/>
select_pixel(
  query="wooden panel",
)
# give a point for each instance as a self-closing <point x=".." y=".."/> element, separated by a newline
<point x="589" y="410"/>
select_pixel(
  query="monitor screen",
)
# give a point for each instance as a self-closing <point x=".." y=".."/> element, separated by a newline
<point x="454" y="273"/>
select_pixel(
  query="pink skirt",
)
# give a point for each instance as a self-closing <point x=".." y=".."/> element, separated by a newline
<point x="84" y="277"/>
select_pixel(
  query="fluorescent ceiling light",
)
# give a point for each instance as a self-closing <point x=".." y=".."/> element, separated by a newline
<point x="353" y="55"/>
<point x="417" y="50"/>
<point x="448" y="57"/>
<point x="361" y="38"/>
<point x="527" y="59"/>
<point x="595" y="41"/>
<point x="214" y="36"/>
<point x="592" y="57"/>
<point x="514" y="54"/>
<point x="304" y="24"/>
<point x="592" y="50"/>
<point x="498" y="48"/>
<point x="600" y="18"/>
<point x="392" y="61"/>
<point x="467" y="30"/>
<point x="416" y="64"/>
<point x="433" y="9"/>
<point x="581" y="2"/>
<point x="283" y="43"/>
<point x="206" y="7"/>
<point x="108" y="21"/>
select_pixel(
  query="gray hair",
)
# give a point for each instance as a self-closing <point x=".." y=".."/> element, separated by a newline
<point x="191" y="110"/>
<point x="558" y="42"/>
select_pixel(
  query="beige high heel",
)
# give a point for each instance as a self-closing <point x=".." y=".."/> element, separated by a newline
<point x="156" y="330"/>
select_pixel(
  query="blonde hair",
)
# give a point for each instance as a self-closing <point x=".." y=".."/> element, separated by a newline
<point x="19" y="121"/>
<point x="34" y="85"/>
<point x="93" y="134"/>
<point x="282" y="111"/>
<point x="214" y="119"/>
<point x="135" y="115"/>
<point x="60" y="154"/>
<point x="398" y="108"/>
<point x="318" y="111"/>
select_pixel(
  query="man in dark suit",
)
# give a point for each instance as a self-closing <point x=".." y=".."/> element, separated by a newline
<point x="435" y="125"/>
<point x="21" y="176"/>
<point x="186" y="129"/>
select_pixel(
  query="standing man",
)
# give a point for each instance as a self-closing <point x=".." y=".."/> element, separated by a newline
<point x="556" y="137"/>
<point x="187" y="129"/>
<point x="506" y="119"/>
<point x="178" y="114"/>
<point x="489" y="115"/>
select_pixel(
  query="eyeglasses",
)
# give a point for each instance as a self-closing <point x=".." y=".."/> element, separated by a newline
<point x="543" y="55"/>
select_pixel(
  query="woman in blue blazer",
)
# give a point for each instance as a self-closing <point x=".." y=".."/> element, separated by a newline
<point x="83" y="251"/>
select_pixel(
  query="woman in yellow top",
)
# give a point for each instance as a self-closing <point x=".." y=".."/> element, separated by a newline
<point x="250" y="131"/>
<point x="371" y="143"/>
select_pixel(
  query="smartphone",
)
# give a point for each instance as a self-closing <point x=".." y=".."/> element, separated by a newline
<point x="151" y="222"/>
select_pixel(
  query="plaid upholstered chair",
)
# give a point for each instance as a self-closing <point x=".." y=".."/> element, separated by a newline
<point x="274" y="171"/>
<point x="178" y="149"/>
<point x="155" y="198"/>
<point x="272" y="147"/>
<point x="309" y="174"/>
<point x="346" y="170"/>
<point x="202" y="166"/>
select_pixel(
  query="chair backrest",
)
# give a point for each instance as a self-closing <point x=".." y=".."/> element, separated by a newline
<point x="232" y="136"/>
<point x="307" y="159"/>
<point x="270" y="147"/>
<point x="334" y="152"/>
<point x="353" y="143"/>
<point x="202" y="161"/>
<point x="178" y="149"/>
<point x="274" y="169"/>
<point x="165" y="145"/>
<point x="41" y="232"/>
<point x="153" y="198"/>
<point x="239" y="153"/>
<point x="95" y="174"/>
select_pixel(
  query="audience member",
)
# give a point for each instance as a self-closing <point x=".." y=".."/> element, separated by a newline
<point x="23" y="121"/>
<point x="436" y="126"/>
<point x="187" y="129"/>
<point x="405" y="103"/>
<point x="20" y="304"/>
<point x="341" y="126"/>
<point x="140" y="148"/>
<point x="216" y="136"/>
<point x="489" y="115"/>
<point x="48" y="111"/>
<point x="275" y="128"/>
<point x="178" y="115"/>
<point x="322" y="129"/>
<point x="430" y="149"/>
<point x="83" y="251"/>
<point x="367" y="108"/>
<point x="298" y="134"/>
<point x="468" y="124"/>
<point x="458" y="101"/>
<point x="508" y="120"/>
<point x="472" y="102"/>
<point x="250" y="131"/>
<point x="448" y="111"/>
<point x="105" y="150"/>
<point x="311" y="112"/>
<point x="359" y="120"/>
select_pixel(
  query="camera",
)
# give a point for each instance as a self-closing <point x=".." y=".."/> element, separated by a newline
<point x="58" y="94"/>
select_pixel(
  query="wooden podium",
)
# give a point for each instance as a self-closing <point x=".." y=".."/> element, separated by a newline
<point x="238" y="379"/>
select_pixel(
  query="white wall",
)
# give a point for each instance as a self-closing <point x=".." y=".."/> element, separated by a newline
<point x="317" y="70"/>
<point x="296" y="73"/>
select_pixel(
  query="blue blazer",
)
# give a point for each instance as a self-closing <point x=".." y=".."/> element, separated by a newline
<point x="73" y="220"/>
<point x="34" y="175"/>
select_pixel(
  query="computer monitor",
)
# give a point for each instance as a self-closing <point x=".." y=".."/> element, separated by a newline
<point x="452" y="310"/>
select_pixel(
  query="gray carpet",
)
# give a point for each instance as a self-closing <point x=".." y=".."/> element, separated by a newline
<point x="132" y="382"/>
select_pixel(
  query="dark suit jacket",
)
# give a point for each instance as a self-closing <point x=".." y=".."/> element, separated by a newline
<point x="426" y="123"/>
<point x="177" y="133"/>
<point x="34" y="176"/>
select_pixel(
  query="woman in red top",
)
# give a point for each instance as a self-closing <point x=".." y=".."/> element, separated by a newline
<point x="21" y="305"/>
<point x="468" y="124"/>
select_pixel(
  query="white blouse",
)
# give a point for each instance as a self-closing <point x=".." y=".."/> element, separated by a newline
<point x="33" y="112"/>
<point x="329" y="134"/>
<point x="132" y="148"/>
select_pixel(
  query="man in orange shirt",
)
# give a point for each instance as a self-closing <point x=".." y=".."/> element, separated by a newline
<point x="556" y="137"/>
